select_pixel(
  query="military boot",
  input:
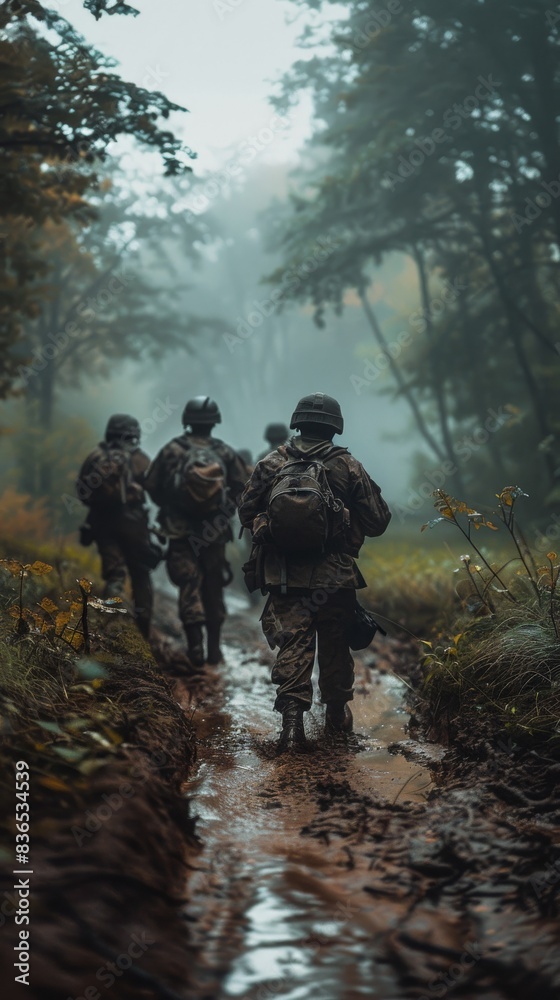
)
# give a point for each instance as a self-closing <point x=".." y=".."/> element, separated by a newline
<point x="143" y="626"/>
<point x="292" y="736"/>
<point x="214" y="652"/>
<point x="338" y="718"/>
<point x="195" y="647"/>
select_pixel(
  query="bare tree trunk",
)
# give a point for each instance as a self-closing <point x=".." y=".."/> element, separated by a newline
<point x="438" y="379"/>
<point x="516" y="336"/>
<point x="478" y="386"/>
<point x="400" y="380"/>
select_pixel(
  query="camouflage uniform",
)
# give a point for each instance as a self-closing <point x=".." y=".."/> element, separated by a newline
<point x="319" y="596"/>
<point x="196" y="560"/>
<point x="121" y="532"/>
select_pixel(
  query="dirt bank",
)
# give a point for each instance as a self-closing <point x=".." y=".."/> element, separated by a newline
<point x="110" y="834"/>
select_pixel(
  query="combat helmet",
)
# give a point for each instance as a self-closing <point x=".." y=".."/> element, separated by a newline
<point x="122" y="427"/>
<point x="275" y="433"/>
<point x="317" y="408"/>
<point x="201" y="410"/>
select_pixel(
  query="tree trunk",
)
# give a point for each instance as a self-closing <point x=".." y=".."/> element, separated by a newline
<point x="545" y="110"/>
<point x="437" y="376"/>
<point x="516" y="336"/>
<point x="478" y="387"/>
<point x="400" y="380"/>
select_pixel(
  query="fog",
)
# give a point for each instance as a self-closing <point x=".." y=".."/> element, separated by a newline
<point x="224" y="73"/>
<point x="305" y="250"/>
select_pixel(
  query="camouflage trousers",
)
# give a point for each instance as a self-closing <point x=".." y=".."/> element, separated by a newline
<point x="200" y="578"/>
<point x="297" y="625"/>
<point x="119" y="555"/>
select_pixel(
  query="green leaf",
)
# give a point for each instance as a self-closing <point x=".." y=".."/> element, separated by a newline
<point x="51" y="727"/>
<point x="90" y="670"/>
<point x="69" y="754"/>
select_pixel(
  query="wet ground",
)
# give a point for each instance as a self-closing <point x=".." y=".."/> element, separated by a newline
<point x="346" y="872"/>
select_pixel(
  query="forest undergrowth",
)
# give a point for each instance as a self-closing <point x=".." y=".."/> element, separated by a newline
<point x="85" y="706"/>
<point x="487" y="622"/>
<point x="102" y="822"/>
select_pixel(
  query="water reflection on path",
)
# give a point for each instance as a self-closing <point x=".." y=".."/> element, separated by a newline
<point x="277" y="914"/>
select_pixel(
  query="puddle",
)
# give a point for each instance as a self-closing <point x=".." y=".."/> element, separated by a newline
<point x="292" y="924"/>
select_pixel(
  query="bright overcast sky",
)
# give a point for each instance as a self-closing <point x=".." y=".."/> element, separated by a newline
<point x="218" y="58"/>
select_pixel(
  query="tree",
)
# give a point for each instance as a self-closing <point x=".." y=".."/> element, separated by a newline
<point x="106" y="298"/>
<point x="62" y="105"/>
<point x="418" y="148"/>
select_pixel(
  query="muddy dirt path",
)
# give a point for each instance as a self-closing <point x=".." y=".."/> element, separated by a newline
<point x="349" y="871"/>
<point x="278" y="913"/>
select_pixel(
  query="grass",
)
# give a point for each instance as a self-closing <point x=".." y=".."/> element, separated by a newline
<point x="416" y="580"/>
<point x="68" y="714"/>
<point x="500" y="653"/>
<point x="486" y="611"/>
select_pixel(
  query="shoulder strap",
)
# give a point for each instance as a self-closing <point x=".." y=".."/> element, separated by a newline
<point x="334" y="452"/>
<point x="185" y="445"/>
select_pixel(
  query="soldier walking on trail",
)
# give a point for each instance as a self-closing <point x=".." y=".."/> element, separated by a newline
<point x="196" y="480"/>
<point x="110" y="484"/>
<point x="310" y="506"/>
<point x="275" y="434"/>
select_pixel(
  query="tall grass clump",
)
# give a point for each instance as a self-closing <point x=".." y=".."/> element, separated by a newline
<point x="502" y="656"/>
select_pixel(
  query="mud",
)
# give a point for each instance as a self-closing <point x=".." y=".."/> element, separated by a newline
<point x="110" y="847"/>
<point x="380" y="865"/>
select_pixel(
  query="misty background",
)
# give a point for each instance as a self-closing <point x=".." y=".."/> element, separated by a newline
<point x="321" y="243"/>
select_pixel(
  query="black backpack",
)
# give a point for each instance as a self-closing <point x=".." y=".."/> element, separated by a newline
<point x="198" y="483"/>
<point x="303" y="514"/>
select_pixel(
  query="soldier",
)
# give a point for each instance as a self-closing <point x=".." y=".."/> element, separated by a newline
<point x="110" y="484"/>
<point x="275" y="434"/>
<point x="310" y="505"/>
<point x="196" y="480"/>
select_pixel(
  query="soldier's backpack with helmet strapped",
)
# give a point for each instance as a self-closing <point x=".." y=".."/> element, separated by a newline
<point x="303" y="515"/>
<point x="198" y="482"/>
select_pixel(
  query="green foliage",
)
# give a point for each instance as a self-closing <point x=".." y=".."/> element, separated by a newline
<point x="437" y="137"/>
<point x="63" y="104"/>
<point x="410" y="586"/>
<point x="502" y="654"/>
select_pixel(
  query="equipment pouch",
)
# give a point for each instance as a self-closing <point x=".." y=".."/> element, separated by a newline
<point x="362" y="629"/>
<point x="253" y="570"/>
<point x="261" y="531"/>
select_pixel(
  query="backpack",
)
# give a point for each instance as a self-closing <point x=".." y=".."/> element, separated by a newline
<point x="198" y="481"/>
<point x="303" y="514"/>
<point x="109" y="476"/>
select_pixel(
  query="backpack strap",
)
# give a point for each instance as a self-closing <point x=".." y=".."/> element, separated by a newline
<point x="283" y="574"/>
<point x="126" y="477"/>
<point x="335" y="452"/>
<point x="184" y="445"/>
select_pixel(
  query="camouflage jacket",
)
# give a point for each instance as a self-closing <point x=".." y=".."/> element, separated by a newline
<point x="173" y="521"/>
<point x="369" y="516"/>
<point x="88" y="484"/>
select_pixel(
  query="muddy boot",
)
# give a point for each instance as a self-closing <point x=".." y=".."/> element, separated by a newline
<point x="292" y="736"/>
<point x="195" y="647"/>
<point x="338" y="718"/>
<point x="214" y="652"/>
